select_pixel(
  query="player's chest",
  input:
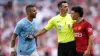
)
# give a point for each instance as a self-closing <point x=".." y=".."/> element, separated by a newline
<point x="78" y="27"/>
<point x="28" y="27"/>
<point x="63" y="24"/>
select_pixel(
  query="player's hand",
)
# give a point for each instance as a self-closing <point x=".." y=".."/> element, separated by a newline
<point x="86" y="53"/>
<point x="13" y="53"/>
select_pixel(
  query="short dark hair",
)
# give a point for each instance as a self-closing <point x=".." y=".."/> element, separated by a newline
<point x="29" y="6"/>
<point x="60" y="3"/>
<point x="78" y="9"/>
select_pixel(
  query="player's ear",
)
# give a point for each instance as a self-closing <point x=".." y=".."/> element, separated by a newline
<point x="28" y="13"/>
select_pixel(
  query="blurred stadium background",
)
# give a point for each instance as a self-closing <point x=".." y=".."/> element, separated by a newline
<point x="11" y="11"/>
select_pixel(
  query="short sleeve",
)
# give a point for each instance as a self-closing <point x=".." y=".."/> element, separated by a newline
<point x="89" y="29"/>
<point x="49" y="24"/>
<point x="18" y="28"/>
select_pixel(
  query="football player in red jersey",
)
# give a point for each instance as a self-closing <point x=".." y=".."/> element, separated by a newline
<point x="83" y="32"/>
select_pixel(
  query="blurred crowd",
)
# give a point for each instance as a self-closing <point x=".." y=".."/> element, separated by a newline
<point x="11" y="11"/>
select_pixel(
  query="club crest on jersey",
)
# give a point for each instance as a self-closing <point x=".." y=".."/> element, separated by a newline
<point x="68" y="25"/>
<point x="59" y="27"/>
<point x="79" y="28"/>
<point x="32" y="28"/>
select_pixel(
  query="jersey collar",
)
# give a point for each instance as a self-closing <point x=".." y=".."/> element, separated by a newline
<point x="29" y="21"/>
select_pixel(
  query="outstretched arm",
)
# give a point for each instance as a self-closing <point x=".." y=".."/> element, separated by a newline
<point x="37" y="34"/>
<point x="44" y="30"/>
<point x="40" y="32"/>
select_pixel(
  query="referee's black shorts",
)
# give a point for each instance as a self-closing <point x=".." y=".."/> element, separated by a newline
<point x="67" y="49"/>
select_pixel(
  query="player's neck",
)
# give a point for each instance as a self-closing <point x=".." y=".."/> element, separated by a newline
<point x="29" y="18"/>
<point x="79" y="19"/>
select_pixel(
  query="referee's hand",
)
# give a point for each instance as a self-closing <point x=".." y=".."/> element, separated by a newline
<point x="30" y="37"/>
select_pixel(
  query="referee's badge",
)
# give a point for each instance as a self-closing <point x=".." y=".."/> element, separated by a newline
<point x="59" y="27"/>
<point x="68" y="25"/>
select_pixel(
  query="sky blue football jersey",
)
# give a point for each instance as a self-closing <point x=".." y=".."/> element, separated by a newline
<point x="23" y="29"/>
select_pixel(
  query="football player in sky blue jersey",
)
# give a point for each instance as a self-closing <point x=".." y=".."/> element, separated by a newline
<point x="25" y="28"/>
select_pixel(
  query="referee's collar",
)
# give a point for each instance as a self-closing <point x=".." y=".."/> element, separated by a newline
<point x="63" y="16"/>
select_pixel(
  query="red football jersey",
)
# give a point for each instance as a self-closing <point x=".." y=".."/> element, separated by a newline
<point x="82" y="31"/>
